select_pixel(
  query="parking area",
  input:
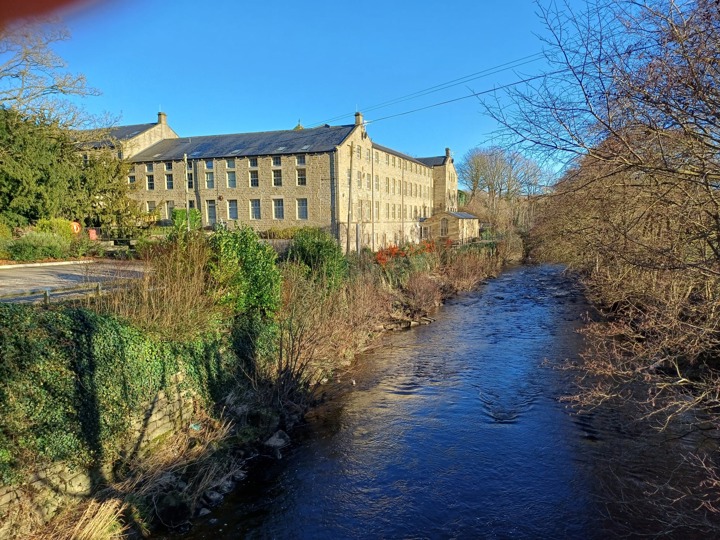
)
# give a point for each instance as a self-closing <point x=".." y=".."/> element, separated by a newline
<point x="30" y="282"/>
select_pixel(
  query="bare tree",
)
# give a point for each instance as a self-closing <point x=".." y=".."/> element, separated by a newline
<point x="631" y="104"/>
<point x="33" y="78"/>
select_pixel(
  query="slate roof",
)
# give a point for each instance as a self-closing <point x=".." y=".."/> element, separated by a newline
<point x="315" y="140"/>
<point x="432" y="161"/>
<point x="113" y="134"/>
<point x="395" y="152"/>
<point x="463" y="215"/>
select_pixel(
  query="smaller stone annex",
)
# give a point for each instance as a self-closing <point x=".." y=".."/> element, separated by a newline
<point x="334" y="177"/>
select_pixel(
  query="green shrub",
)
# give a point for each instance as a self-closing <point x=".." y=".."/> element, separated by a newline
<point x="61" y="227"/>
<point x="36" y="246"/>
<point x="286" y="233"/>
<point x="5" y="231"/>
<point x="179" y="219"/>
<point x="82" y="246"/>
<point x="244" y="272"/>
<point x="319" y="251"/>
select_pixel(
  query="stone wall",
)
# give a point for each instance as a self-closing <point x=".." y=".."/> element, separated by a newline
<point x="48" y="489"/>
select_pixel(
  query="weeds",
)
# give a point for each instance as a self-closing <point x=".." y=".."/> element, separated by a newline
<point x="171" y="297"/>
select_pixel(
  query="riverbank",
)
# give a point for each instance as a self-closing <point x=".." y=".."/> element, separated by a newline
<point x="248" y="384"/>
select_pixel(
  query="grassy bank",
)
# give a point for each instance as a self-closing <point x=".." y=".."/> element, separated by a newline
<point x="251" y="337"/>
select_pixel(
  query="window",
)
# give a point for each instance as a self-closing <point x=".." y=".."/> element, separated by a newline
<point x="231" y="180"/>
<point x="209" y="180"/>
<point x="377" y="157"/>
<point x="393" y="189"/>
<point x="349" y="177"/>
<point x="387" y="184"/>
<point x="229" y="163"/>
<point x="300" y="160"/>
<point x="359" y="152"/>
<point x="151" y="207"/>
<point x="254" y="208"/>
<point x="301" y="178"/>
<point x="276" y="161"/>
<point x="232" y="209"/>
<point x="169" y="181"/>
<point x="169" y="207"/>
<point x="168" y="166"/>
<point x="150" y="182"/>
<point x="367" y="155"/>
<point x="211" y="212"/>
<point x="393" y="213"/>
<point x="443" y="227"/>
<point x="253" y="161"/>
<point x="302" y="209"/>
<point x="387" y="159"/>
<point x="387" y="210"/>
<point x="278" y="209"/>
<point x="377" y="183"/>
<point x="191" y="204"/>
<point x="209" y="163"/>
<point x="277" y="178"/>
<point x="254" y="181"/>
<point x="368" y="181"/>
<point x="148" y="167"/>
<point x="376" y="215"/>
<point x="131" y="179"/>
<point x="190" y="182"/>
<point x="393" y="161"/>
<point x="359" y="180"/>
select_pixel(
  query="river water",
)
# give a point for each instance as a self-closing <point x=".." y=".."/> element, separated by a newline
<point x="457" y="430"/>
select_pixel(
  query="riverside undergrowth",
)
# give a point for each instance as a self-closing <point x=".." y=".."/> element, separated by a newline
<point x="252" y="338"/>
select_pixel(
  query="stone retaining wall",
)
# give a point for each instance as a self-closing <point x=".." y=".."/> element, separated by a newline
<point x="47" y="490"/>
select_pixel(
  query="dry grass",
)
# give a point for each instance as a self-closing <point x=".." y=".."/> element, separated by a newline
<point x="111" y="512"/>
<point x="422" y="294"/>
<point x="319" y="329"/>
<point x="465" y="270"/>
<point x="171" y="297"/>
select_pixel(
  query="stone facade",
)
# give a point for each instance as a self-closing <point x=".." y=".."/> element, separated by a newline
<point x="458" y="227"/>
<point x="366" y="195"/>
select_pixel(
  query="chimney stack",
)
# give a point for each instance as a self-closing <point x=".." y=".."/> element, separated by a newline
<point x="358" y="119"/>
<point x="162" y="118"/>
<point x="447" y="152"/>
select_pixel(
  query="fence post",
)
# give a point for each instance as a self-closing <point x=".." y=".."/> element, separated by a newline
<point x="46" y="297"/>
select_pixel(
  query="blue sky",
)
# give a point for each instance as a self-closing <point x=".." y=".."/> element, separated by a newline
<point x="228" y="67"/>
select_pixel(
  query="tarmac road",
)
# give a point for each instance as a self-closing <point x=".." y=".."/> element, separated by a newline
<point x="24" y="280"/>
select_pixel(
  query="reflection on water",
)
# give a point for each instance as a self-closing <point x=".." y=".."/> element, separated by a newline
<point x="455" y="430"/>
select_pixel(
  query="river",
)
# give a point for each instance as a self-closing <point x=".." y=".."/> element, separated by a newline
<point x="458" y="430"/>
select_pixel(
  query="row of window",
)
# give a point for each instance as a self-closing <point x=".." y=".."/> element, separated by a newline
<point x="278" y="209"/>
<point x="392" y="211"/>
<point x="230" y="179"/>
<point x="392" y="186"/>
<point x="390" y="160"/>
<point x="229" y="163"/>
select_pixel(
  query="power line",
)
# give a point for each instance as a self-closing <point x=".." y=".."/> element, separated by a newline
<point x="474" y="94"/>
<point x="448" y="84"/>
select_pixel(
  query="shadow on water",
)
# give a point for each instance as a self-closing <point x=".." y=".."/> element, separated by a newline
<point x="456" y="430"/>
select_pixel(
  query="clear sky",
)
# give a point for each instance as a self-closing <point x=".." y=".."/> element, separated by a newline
<point x="230" y="66"/>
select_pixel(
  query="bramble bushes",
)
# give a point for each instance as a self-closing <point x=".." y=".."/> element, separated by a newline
<point x="171" y="298"/>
